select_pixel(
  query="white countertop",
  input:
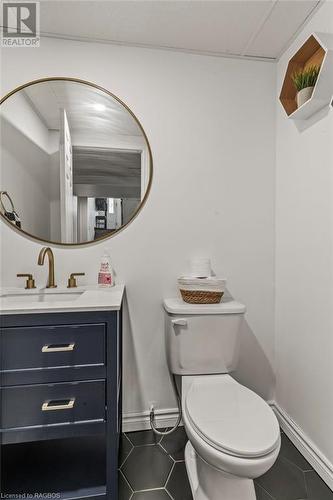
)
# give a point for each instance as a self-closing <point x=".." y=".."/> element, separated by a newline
<point x="45" y="300"/>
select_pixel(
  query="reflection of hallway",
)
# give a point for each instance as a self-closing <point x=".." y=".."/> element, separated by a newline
<point x="108" y="185"/>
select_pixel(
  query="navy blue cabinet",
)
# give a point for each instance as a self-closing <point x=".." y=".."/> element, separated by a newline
<point x="60" y="393"/>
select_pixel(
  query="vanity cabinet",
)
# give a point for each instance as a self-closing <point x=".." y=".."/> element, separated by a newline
<point x="60" y="389"/>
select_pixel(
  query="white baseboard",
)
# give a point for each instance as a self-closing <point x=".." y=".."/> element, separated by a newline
<point x="140" y="421"/>
<point x="309" y="450"/>
<point x="168" y="417"/>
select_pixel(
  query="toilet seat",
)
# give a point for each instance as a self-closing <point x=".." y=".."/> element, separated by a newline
<point x="231" y="418"/>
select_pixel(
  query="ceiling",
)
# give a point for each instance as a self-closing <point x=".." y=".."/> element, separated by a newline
<point x="94" y="114"/>
<point x="88" y="109"/>
<point x="238" y="28"/>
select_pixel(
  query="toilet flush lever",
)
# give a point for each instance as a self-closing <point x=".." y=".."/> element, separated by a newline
<point x="179" y="322"/>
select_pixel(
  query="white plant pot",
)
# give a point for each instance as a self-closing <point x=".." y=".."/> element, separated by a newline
<point x="303" y="95"/>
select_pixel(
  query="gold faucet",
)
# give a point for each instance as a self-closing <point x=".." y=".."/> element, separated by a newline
<point x="41" y="258"/>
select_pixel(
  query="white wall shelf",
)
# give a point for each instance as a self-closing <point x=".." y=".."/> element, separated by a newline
<point x="316" y="51"/>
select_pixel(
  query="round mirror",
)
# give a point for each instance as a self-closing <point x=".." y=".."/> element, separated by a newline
<point x="76" y="165"/>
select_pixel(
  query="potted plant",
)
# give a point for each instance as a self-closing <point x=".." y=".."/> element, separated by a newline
<point x="304" y="81"/>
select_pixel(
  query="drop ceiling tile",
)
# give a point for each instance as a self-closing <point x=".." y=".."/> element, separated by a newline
<point x="221" y="27"/>
<point x="213" y="26"/>
<point x="284" y="22"/>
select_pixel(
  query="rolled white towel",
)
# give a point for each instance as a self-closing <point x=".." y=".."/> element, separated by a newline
<point x="204" y="284"/>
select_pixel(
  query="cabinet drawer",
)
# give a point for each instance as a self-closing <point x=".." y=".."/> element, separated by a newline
<point x="53" y="346"/>
<point x="30" y="405"/>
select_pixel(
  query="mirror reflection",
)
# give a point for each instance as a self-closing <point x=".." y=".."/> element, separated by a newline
<point x="75" y="163"/>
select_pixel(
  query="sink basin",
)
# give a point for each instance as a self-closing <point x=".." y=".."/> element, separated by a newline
<point x="61" y="299"/>
<point x="40" y="297"/>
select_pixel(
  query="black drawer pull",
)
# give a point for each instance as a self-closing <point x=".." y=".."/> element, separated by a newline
<point x="59" y="404"/>
<point x="58" y="347"/>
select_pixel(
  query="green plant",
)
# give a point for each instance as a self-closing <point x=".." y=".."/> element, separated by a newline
<point x="305" y="78"/>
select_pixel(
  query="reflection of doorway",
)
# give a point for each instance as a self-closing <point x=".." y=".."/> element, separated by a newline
<point x="129" y="208"/>
<point x="68" y="216"/>
<point x="108" y="184"/>
<point x="108" y="217"/>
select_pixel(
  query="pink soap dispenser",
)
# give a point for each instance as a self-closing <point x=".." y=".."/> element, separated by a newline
<point x="105" y="275"/>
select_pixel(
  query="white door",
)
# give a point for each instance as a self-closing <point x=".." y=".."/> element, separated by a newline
<point x="68" y="206"/>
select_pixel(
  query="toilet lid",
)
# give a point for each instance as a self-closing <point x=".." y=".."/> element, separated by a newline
<point x="231" y="418"/>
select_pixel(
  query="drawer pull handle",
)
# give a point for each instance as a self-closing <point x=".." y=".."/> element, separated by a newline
<point x="58" y="347"/>
<point x="62" y="404"/>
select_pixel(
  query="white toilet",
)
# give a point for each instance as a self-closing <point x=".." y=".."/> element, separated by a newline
<point x="233" y="434"/>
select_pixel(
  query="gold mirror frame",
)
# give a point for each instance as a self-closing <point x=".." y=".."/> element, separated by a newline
<point x="144" y="199"/>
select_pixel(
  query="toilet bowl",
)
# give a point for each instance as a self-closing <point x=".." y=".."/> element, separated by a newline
<point x="233" y="436"/>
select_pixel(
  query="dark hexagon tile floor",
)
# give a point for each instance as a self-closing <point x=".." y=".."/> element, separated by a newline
<point x="125" y="449"/>
<point x="284" y="481"/>
<point x="124" y="489"/>
<point x="153" y="468"/>
<point x="317" y="489"/>
<point x="178" y="485"/>
<point x="262" y="494"/>
<point x="291" y="453"/>
<point x="141" y="438"/>
<point x="174" y="444"/>
<point x="147" y="467"/>
<point x="151" y="495"/>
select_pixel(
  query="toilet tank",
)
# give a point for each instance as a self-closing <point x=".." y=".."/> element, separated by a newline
<point x="202" y="338"/>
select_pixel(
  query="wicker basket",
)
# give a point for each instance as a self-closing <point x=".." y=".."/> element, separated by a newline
<point x="201" y="296"/>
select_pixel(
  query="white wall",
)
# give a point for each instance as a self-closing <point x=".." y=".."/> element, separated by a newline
<point x="304" y="264"/>
<point x="26" y="169"/>
<point x="211" y="126"/>
<point x="25" y="174"/>
<point x="18" y="111"/>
